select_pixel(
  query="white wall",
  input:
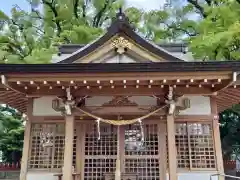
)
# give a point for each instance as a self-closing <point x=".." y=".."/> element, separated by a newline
<point x="196" y="176"/>
<point x="43" y="107"/>
<point x="144" y="100"/>
<point x="199" y="105"/>
<point x="124" y="59"/>
<point x="181" y="176"/>
<point x="97" y="100"/>
<point x="41" y="176"/>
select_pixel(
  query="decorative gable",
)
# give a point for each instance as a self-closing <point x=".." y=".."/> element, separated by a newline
<point x="121" y="44"/>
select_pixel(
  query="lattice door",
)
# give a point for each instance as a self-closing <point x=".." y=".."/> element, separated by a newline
<point x="182" y="145"/>
<point x="142" y="157"/>
<point x="202" y="146"/>
<point x="100" y="155"/>
<point x="195" y="147"/>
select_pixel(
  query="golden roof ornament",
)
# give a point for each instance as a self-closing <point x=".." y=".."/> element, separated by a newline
<point x="121" y="44"/>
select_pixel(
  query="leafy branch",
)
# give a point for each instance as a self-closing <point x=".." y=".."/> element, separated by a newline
<point x="52" y="6"/>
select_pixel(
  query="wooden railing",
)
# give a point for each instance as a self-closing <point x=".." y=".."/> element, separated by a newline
<point x="225" y="176"/>
<point x="230" y="164"/>
<point x="9" y="166"/>
<point x="9" y="171"/>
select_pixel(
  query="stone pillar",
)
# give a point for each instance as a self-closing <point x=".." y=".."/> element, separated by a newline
<point x="68" y="149"/>
<point x="172" y="153"/>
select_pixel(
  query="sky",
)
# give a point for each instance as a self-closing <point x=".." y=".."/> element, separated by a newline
<point x="6" y="5"/>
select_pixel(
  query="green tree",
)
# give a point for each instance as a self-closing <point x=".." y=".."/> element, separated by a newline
<point x="211" y="27"/>
<point x="230" y="132"/>
<point x="11" y="134"/>
<point x="31" y="37"/>
<point x="22" y="40"/>
<point x="219" y="32"/>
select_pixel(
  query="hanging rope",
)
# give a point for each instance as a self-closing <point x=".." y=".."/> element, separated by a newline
<point x="141" y="128"/>
<point x="121" y="122"/>
<point x="98" y="127"/>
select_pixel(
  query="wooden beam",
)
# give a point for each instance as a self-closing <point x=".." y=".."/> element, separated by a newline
<point x="26" y="143"/>
<point x="68" y="149"/>
<point x="217" y="140"/>
<point x="129" y="90"/>
<point x="172" y="151"/>
<point x="120" y="76"/>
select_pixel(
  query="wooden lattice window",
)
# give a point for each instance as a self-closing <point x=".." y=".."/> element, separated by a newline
<point x="74" y="148"/>
<point x="182" y="145"/>
<point x="48" y="157"/>
<point x="202" y="147"/>
<point x="195" y="147"/>
<point x="100" y="154"/>
<point x="142" y="157"/>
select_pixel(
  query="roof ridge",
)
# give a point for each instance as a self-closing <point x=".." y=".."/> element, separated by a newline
<point x="122" y="27"/>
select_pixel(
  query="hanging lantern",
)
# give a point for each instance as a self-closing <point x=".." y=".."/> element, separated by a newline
<point x="55" y="104"/>
<point x="58" y="105"/>
<point x="186" y="103"/>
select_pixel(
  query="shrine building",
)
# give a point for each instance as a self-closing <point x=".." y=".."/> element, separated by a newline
<point x="121" y="107"/>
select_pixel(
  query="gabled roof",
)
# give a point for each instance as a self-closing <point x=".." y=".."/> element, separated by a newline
<point x="121" y="27"/>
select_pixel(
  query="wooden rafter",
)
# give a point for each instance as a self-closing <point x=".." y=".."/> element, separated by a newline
<point x="15" y="87"/>
<point x="13" y="97"/>
<point x="8" y="86"/>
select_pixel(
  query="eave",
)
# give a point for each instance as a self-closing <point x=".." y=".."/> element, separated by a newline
<point x="215" y="78"/>
<point x="121" y="68"/>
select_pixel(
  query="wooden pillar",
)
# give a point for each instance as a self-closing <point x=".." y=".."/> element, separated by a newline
<point x="122" y="148"/>
<point x="118" y="161"/>
<point x="26" y="143"/>
<point x="216" y="136"/>
<point x="82" y="158"/>
<point x="162" y="150"/>
<point x="79" y="136"/>
<point x="172" y="154"/>
<point x="68" y="149"/>
<point x="78" y="147"/>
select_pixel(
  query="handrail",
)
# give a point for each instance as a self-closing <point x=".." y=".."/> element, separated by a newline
<point x="225" y="175"/>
